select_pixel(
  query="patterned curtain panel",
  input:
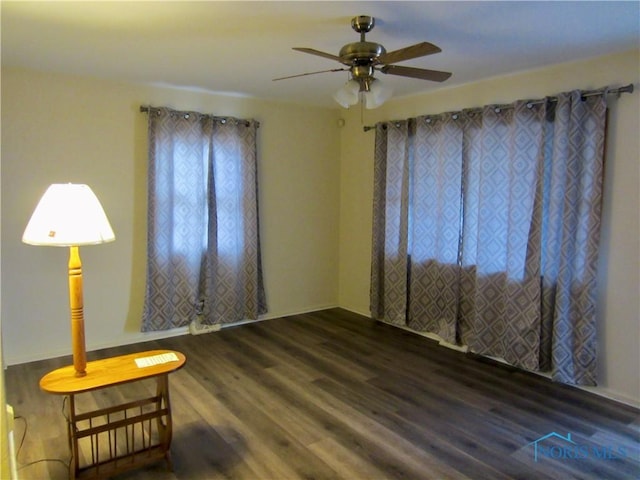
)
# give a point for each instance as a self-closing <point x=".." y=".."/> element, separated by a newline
<point x="502" y="227"/>
<point x="389" y="264"/>
<point x="500" y="253"/>
<point x="436" y="206"/>
<point x="203" y="254"/>
<point x="570" y="236"/>
<point x="232" y="288"/>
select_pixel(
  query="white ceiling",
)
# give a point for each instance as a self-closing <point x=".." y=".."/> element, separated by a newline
<point x="239" y="47"/>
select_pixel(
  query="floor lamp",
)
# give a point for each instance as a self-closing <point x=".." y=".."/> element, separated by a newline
<point x="70" y="215"/>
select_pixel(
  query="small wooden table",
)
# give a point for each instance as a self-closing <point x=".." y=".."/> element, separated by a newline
<point x="120" y="437"/>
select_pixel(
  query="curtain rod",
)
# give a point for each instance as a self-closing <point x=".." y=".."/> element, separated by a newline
<point x="146" y="109"/>
<point x="590" y="93"/>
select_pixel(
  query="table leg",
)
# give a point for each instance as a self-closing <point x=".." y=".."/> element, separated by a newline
<point x="165" y="427"/>
<point x="74" y="462"/>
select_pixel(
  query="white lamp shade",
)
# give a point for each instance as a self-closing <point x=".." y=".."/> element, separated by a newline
<point x="378" y="94"/>
<point x="68" y="215"/>
<point x="348" y="94"/>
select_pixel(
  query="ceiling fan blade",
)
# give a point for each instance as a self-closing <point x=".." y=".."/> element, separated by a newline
<point x="407" y="53"/>
<point x="311" y="73"/>
<point x="421" y="73"/>
<point x="317" y="52"/>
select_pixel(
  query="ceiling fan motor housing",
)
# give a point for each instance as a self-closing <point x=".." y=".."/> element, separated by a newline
<point x="360" y="53"/>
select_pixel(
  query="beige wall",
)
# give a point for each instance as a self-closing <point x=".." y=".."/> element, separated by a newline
<point x="316" y="192"/>
<point x="619" y="284"/>
<point x="5" y="466"/>
<point x="59" y="128"/>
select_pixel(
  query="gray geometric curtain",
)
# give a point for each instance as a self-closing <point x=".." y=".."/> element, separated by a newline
<point x="500" y="255"/>
<point x="203" y="248"/>
<point x="570" y="221"/>
<point x="502" y="220"/>
<point x="389" y="265"/>
<point x="436" y="206"/>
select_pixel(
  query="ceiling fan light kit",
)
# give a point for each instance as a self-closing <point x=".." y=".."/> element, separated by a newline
<point x="372" y="92"/>
<point x="364" y="58"/>
<point x="378" y="94"/>
<point x="348" y="94"/>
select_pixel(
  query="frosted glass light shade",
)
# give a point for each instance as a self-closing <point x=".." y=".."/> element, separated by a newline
<point x="68" y="215"/>
<point x="378" y="94"/>
<point x="348" y="94"/>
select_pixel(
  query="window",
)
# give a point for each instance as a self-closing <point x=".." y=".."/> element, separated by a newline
<point x="486" y="227"/>
<point x="203" y="241"/>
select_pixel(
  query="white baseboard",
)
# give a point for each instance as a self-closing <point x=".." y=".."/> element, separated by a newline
<point x="141" y="337"/>
<point x="149" y="336"/>
<point x="600" y="390"/>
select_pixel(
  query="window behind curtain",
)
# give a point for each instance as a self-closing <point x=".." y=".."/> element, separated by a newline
<point x="203" y="257"/>
<point x="486" y="228"/>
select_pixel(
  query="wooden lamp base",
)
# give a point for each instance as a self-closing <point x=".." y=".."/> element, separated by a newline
<point x="76" y="304"/>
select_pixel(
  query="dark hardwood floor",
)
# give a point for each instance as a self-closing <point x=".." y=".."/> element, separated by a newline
<point x="334" y="395"/>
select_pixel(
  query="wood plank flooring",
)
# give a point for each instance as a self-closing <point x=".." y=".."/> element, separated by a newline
<point x="334" y="395"/>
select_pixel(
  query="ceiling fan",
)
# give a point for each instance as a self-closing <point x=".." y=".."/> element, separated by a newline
<point x="364" y="58"/>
